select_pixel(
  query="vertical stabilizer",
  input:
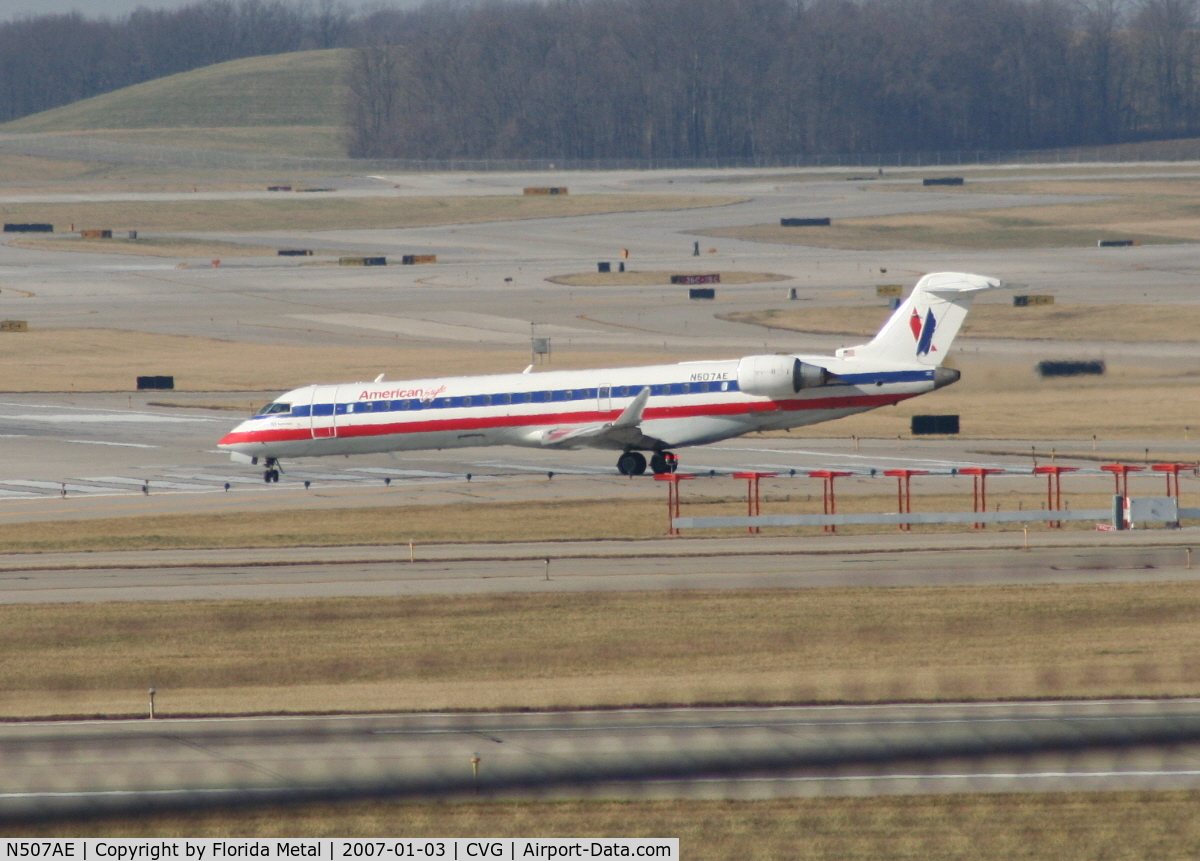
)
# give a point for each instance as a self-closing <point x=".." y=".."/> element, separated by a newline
<point x="922" y="329"/>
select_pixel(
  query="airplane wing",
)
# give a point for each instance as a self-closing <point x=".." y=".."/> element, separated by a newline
<point x="624" y="431"/>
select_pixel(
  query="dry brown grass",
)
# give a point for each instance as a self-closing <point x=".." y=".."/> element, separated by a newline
<point x="1145" y="210"/>
<point x="1068" y="826"/>
<point x="618" y="279"/>
<point x="318" y="212"/>
<point x="313" y="141"/>
<point x="109" y="360"/>
<point x="393" y="524"/>
<point x="149" y="246"/>
<point x="1116" y="322"/>
<point x="530" y="519"/>
<point x="565" y="650"/>
<point x="54" y="176"/>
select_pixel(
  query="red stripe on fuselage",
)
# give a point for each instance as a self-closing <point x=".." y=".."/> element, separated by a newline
<point x="533" y="420"/>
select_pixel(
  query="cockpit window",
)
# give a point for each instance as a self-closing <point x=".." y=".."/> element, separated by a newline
<point x="274" y="409"/>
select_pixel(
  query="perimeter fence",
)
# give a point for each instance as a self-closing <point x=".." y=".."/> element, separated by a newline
<point x="86" y="148"/>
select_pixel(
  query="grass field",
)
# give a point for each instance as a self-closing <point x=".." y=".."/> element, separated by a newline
<point x="650" y="277"/>
<point x="560" y="520"/>
<point x="566" y="650"/>
<point x="34" y="175"/>
<point x="315" y="212"/>
<point x="1060" y="322"/>
<point x="1145" y="210"/>
<point x="1115" y="826"/>
<point x="315" y="141"/>
<point x="306" y="88"/>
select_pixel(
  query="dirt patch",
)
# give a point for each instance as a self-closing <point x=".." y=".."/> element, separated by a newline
<point x="632" y="278"/>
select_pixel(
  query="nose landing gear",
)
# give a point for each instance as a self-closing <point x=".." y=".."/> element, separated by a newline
<point x="271" y="473"/>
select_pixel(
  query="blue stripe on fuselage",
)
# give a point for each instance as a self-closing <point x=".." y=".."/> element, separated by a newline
<point x="497" y="399"/>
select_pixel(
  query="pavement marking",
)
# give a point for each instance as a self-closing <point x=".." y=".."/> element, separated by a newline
<point x="103" y="442"/>
<point x="95" y="418"/>
<point x="155" y="483"/>
<point x="57" y="486"/>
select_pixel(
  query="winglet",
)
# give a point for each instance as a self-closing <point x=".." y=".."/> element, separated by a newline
<point x="632" y="416"/>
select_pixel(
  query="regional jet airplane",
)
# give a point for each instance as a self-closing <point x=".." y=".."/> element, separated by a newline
<point x="650" y="409"/>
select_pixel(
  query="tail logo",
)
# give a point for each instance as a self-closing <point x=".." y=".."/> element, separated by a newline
<point x="923" y="331"/>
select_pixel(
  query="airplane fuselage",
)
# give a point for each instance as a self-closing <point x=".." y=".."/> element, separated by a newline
<point x="690" y="403"/>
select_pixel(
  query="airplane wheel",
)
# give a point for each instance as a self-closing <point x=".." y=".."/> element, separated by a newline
<point x="271" y="475"/>
<point x="267" y="476"/>
<point x="275" y="476"/>
<point x="663" y="462"/>
<point x="631" y="463"/>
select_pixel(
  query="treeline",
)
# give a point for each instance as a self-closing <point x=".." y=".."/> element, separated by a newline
<point x="52" y="60"/>
<point x="666" y="79"/>
<point x="662" y="79"/>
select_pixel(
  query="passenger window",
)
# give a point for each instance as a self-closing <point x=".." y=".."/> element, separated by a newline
<point x="725" y="386"/>
<point x="485" y="400"/>
<point x="466" y="402"/>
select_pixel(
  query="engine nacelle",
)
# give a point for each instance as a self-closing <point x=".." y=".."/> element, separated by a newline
<point x="778" y="376"/>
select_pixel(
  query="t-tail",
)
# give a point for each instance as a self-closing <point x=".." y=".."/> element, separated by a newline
<point x="922" y="329"/>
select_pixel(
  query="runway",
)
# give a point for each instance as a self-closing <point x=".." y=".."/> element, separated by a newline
<point x="742" y="753"/>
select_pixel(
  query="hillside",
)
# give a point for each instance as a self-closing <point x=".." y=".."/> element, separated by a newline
<point x="303" y="89"/>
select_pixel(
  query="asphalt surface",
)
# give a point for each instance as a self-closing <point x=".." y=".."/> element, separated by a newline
<point x="690" y="753"/>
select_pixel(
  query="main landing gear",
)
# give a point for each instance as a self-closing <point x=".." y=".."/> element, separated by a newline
<point x="631" y="463"/>
<point x="271" y="473"/>
<point x="634" y="463"/>
<point x="663" y="462"/>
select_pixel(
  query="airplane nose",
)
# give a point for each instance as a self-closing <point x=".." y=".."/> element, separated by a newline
<point x="233" y="437"/>
<point x="943" y="377"/>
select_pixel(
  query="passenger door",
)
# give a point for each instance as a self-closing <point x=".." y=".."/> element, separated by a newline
<point x="323" y="414"/>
